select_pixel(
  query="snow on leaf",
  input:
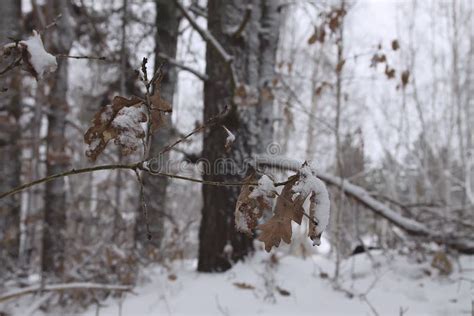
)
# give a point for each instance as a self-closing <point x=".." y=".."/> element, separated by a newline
<point x="36" y="59"/>
<point x="119" y="121"/>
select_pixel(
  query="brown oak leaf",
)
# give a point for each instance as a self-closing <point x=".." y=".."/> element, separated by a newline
<point x="159" y="108"/>
<point x="247" y="209"/>
<point x="278" y="227"/>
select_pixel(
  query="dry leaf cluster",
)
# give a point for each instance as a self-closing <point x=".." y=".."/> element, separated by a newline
<point x="122" y="121"/>
<point x="254" y="201"/>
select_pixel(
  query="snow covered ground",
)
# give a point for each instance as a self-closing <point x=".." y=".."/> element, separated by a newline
<point x="387" y="284"/>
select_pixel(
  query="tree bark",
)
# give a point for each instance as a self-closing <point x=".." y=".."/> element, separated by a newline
<point x="166" y="41"/>
<point x="54" y="240"/>
<point x="10" y="149"/>
<point x="250" y="118"/>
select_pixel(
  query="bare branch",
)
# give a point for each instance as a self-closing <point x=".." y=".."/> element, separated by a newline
<point x="240" y="29"/>
<point x="209" y="38"/>
<point x="80" y="57"/>
<point x="198" y="10"/>
<point x="68" y="173"/>
<point x="205" y="34"/>
<point x="213" y="120"/>
<point x="143" y="204"/>
<point x="14" y="64"/>
<point x="178" y="64"/>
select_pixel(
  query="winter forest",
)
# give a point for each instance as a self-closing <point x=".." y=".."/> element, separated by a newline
<point x="236" y="157"/>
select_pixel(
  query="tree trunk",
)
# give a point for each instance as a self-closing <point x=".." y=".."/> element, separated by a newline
<point x="10" y="150"/>
<point x="57" y="158"/>
<point x="166" y="41"/>
<point x="250" y="118"/>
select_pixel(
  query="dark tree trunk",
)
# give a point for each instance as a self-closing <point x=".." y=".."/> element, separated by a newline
<point x="10" y="150"/>
<point x="54" y="240"/>
<point x="166" y="40"/>
<point x="250" y="120"/>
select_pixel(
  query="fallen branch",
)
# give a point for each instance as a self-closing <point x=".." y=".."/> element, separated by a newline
<point x="61" y="287"/>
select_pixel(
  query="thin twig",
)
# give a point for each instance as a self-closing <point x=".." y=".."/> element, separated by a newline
<point x="205" y="34"/>
<point x="209" y="38"/>
<point x="143" y="204"/>
<point x="248" y="13"/>
<point x="212" y="121"/>
<point x="81" y="57"/>
<point x="14" y="64"/>
<point x="66" y="174"/>
<point x="135" y="166"/>
<point x="50" y="25"/>
<point x="147" y="105"/>
<point x="178" y="64"/>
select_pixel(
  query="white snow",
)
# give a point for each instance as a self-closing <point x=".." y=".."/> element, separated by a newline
<point x="389" y="284"/>
<point x="241" y="222"/>
<point x="128" y="118"/>
<point x="265" y="188"/>
<point x="42" y="61"/>
<point x="128" y="121"/>
<point x="230" y="138"/>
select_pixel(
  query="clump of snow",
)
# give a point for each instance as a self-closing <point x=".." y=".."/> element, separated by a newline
<point x="41" y="61"/>
<point x="128" y="121"/>
<point x="230" y="135"/>
<point x="129" y="118"/>
<point x="265" y="188"/>
<point x="229" y="140"/>
<point x="241" y="222"/>
<point x="228" y="249"/>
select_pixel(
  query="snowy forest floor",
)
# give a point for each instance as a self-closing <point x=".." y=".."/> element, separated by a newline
<point x="386" y="284"/>
<point x="382" y="284"/>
